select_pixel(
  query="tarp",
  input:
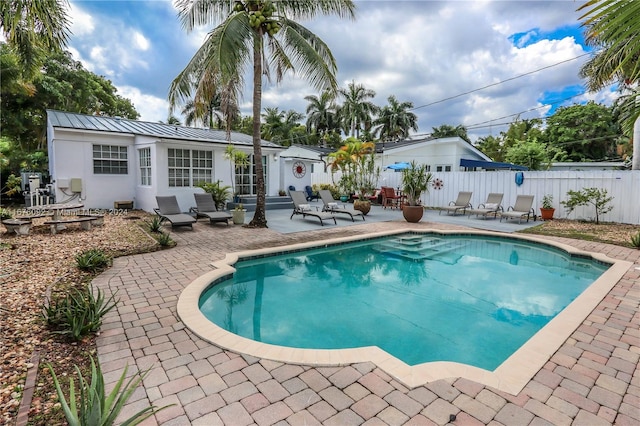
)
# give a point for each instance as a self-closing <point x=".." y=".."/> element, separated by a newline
<point x="398" y="166"/>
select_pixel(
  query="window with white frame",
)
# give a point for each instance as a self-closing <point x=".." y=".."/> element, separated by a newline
<point x="144" y="155"/>
<point x="442" y="168"/>
<point x="246" y="182"/>
<point x="110" y="160"/>
<point x="189" y="168"/>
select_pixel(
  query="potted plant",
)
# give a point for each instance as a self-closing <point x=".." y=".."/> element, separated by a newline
<point x="220" y="193"/>
<point x="356" y="161"/>
<point x="415" y="182"/>
<point x="237" y="214"/>
<point x="547" y="210"/>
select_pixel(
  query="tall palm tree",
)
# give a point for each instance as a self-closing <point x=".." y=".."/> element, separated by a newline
<point x="446" y="131"/>
<point x="356" y="110"/>
<point x="613" y="26"/>
<point x="264" y="34"/>
<point x="207" y="114"/>
<point x="321" y="113"/>
<point x="395" y="120"/>
<point x="278" y="125"/>
<point x="34" y="28"/>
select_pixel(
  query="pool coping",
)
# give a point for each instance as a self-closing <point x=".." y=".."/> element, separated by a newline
<point x="511" y="376"/>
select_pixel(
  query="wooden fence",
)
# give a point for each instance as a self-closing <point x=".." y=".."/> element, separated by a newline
<point x="622" y="185"/>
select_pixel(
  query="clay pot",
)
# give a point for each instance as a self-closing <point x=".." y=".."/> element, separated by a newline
<point x="363" y="205"/>
<point x="412" y="214"/>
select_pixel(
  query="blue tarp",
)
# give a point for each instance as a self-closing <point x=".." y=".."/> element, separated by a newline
<point x="398" y="166"/>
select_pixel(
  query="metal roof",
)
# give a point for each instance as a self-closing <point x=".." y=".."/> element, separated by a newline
<point x="70" y="120"/>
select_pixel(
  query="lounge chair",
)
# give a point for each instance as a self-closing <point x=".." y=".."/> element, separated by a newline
<point x="311" y="194"/>
<point x="206" y="207"/>
<point x="522" y="208"/>
<point x="168" y="209"/>
<point x="301" y="207"/>
<point x="492" y="206"/>
<point x="461" y="203"/>
<point x="333" y="206"/>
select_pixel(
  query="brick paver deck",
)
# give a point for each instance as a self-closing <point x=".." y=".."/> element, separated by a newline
<point x="593" y="379"/>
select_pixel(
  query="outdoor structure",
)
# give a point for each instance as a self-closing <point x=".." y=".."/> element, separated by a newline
<point x="102" y="161"/>
<point x="298" y="162"/>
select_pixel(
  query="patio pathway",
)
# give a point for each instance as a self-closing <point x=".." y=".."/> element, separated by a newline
<point x="593" y="379"/>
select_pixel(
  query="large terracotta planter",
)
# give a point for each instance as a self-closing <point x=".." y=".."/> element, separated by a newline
<point x="412" y="214"/>
<point x="363" y="205"/>
<point x="546" y="214"/>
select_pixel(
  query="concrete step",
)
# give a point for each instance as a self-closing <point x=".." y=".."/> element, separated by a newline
<point x="271" y="203"/>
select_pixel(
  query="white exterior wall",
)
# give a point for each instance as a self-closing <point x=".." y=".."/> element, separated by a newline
<point x="72" y="154"/>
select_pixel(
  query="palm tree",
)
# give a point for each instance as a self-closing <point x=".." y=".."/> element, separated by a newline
<point x="395" y="120"/>
<point x="321" y="113"/>
<point x="264" y="34"/>
<point x="279" y="125"/>
<point x="34" y="28"/>
<point x="207" y="114"/>
<point x="614" y="27"/>
<point x="356" y="111"/>
<point x="447" y="131"/>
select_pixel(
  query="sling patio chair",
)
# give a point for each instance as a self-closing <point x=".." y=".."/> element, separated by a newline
<point x="301" y="207"/>
<point x="522" y="208"/>
<point x="492" y="206"/>
<point x="333" y="206"/>
<point x="206" y="207"/>
<point x="390" y="198"/>
<point x="169" y="210"/>
<point x="461" y="203"/>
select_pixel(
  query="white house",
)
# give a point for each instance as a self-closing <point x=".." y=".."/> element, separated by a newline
<point x="100" y="160"/>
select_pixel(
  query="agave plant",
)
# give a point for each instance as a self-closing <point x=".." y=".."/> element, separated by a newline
<point x="94" y="407"/>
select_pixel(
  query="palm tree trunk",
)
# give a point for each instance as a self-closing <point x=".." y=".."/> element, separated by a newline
<point x="635" y="164"/>
<point x="259" y="218"/>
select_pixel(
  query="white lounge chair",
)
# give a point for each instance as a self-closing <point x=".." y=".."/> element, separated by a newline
<point x="522" y="208"/>
<point x="206" y="207"/>
<point x="492" y="206"/>
<point x="461" y="203"/>
<point x="333" y="206"/>
<point x="301" y="207"/>
<point x="168" y="209"/>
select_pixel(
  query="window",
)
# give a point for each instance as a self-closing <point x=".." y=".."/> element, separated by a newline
<point x="188" y="168"/>
<point x="443" y="168"/>
<point x="246" y="177"/>
<point x="145" y="166"/>
<point x="110" y="160"/>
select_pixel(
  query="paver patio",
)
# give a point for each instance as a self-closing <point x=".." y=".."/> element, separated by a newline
<point x="592" y="379"/>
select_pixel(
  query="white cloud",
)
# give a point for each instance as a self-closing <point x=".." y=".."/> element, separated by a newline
<point x="140" y="41"/>
<point x="81" y="21"/>
<point x="151" y="108"/>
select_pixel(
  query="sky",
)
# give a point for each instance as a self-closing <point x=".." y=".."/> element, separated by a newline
<point x="438" y="55"/>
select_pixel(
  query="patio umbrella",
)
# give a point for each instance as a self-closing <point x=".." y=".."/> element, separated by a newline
<point x="398" y="166"/>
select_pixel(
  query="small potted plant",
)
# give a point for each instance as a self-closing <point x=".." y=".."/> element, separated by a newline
<point x="237" y="214"/>
<point x="415" y="182"/>
<point x="547" y="209"/>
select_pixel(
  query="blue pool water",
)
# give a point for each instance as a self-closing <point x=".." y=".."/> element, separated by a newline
<point x="420" y="297"/>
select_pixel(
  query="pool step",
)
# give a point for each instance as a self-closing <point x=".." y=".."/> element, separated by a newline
<point x="421" y="248"/>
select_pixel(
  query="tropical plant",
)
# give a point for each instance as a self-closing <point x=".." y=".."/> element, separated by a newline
<point x="529" y="153"/>
<point x="279" y="126"/>
<point x="415" y="182"/>
<point x="261" y="33"/>
<point x="155" y="224"/>
<point x="237" y="160"/>
<point x="635" y="240"/>
<point x="594" y="196"/>
<point x="92" y="260"/>
<point x="93" y="407"/>
<point x="447" y="131"/>
<point x="394" y="120"/>
<point x="78" y="313"/>
<point x="164" y="239"/>
<point x="613" y="26"/>
<point x="220" y="193"/>
<point x="356" y="112"/>
<point x="547" y="201"/>
<point x="5" y="214"/>
<point x="321" y="113"/>
<point x="356" y="162"/>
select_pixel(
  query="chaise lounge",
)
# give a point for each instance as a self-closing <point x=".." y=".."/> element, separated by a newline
<point x="301" y="207"/>
<point x="461" y="203"/>
<point x="492" y="206"/>
<point x="520" y="209"/>
<point x="332" y="206"/>
<point x="169" y="210"/>
<point x="206" y="207"/>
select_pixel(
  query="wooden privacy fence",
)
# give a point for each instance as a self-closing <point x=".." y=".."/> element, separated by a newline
<point x="622" y="185"/>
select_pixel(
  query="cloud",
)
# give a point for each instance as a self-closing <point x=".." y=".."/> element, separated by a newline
<point x="151" y="108"/>
<point x="81" y="22"/>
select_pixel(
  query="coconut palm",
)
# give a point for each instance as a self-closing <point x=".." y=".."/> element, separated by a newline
<point x="447" y="131"/>
<point x="613" y="26"/>
<point x="394" y="120"/>
<point x="279" y="125"/>
<point x="261" y="33"/>
<point x="207" y="114"/>
<point x="321" y="113"/>
<point x="356" y="111"/>
<point x="34" y="28"/>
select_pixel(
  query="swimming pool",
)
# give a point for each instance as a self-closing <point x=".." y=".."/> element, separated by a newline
<point x="245" y="311"/>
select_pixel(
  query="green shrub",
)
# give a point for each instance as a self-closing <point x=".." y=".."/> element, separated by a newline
<point x="155" y="224"/>
<point x="594" y="196"/>
<point x="220" y="193"/>
<point x="5" y="214"/>
<point x="78" y="313"/>
<point x="92" y="260"/>
<point x="164" y="239"/>
<point x="94" y="407"/>
<point x="335" y="191"/>
<point x="635" y="240"/>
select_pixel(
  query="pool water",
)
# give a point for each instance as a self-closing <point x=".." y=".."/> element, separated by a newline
<point x="420" y="297"/>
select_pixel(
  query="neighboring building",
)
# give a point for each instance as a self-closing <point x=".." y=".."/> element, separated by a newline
<point x="298" y="162"/>
<point x="595" y="165"/>
<point x="100" y="160"/>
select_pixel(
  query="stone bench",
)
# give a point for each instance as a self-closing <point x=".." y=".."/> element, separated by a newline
<point x="58" y="225"/>
<point x="19" y="226"/>
<point x="99" y="218"/>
